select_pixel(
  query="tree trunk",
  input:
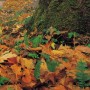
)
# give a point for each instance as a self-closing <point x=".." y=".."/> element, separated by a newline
<point x="71" y="15"/>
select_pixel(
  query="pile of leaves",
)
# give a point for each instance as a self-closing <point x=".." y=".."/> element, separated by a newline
<point x="36" y="61"/>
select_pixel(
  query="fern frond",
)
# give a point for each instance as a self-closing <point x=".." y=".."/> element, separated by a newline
<point x="37" y="69"/>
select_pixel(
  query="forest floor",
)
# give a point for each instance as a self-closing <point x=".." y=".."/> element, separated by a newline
<point x="50" y="60"/>
<point x="37" y="62"/>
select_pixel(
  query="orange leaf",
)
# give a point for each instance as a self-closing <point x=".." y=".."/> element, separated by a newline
<point x="27" y="79"/>
<point x="16" y="69"/>
<point x="59" y="87"/>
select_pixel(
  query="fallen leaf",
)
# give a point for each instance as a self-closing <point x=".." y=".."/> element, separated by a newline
<point x="6" y="56"/>
<point x="27" y="63"/>
<point x="27" y="79"/>
<point x="83" y="49"/>
<point x="59" y="87"/>
<point x="12" y="60"/>
<point x="16" y="69"/>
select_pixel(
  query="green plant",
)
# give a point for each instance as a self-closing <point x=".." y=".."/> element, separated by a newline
<point x="1" y="41"/>
<point x="88" y="45"/>
<point x="50" y="64"/>
<point x="72" y="34"/>
<point x="9" y="88"/>
<point x="17" y="47"/>
<point x="3" y="80"/>
<point x="37" y="69"/>
<point x="33" y="55"/>
<point x="26" y="40"/>
<point x="27" y="20"/>
<point x="83" y="79"/>
<point x="17" y="43"/>
<point x="65" y="59"/>
<point x="36" y="40"/>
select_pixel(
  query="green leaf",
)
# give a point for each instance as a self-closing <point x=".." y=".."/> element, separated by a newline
<point x="72" y="34"/>
<point x="88" y="45"/>
<point x="50" y="64"/>
<point x="81" y="66"/>
<point x="65" y="59"/>
<point x="33" y="55"/>
<point x="26" y="40"/>
<point x="17" y="43"/>
<point x="46" y="56"/>
<point x="36" y="40"/>
<point x="82" y="77"/>
<point x="9" y="88"/>
<point x="3" y="80"/>
<point x="27" y="20"/>
<point x="37" y="69"/>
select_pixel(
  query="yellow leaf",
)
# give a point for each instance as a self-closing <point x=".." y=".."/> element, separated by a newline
<point x="27" y="63"/>
<point x="0" y="30"/>
<point x="58" y="52"/>
<point x="53" y="45"/>
<point x="43" y="67"/>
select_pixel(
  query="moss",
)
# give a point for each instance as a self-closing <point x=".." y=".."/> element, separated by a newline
<point x="62" y="14"/>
